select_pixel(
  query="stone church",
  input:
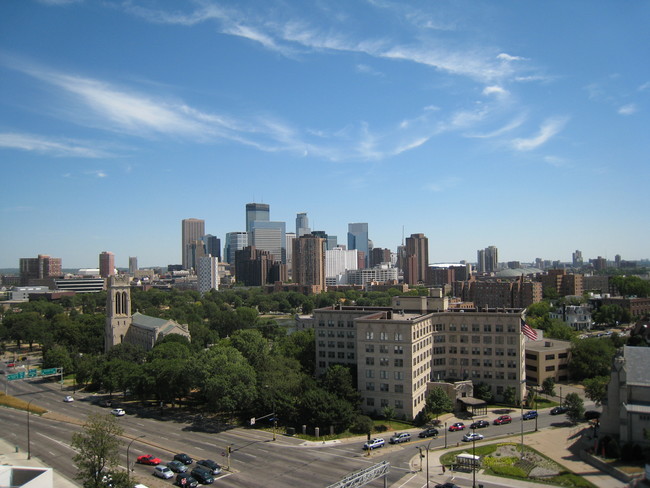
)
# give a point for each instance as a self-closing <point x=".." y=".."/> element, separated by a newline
<point x="123" y="326"/>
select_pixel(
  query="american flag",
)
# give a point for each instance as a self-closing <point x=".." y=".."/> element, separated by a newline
<point x="528" y="331"/>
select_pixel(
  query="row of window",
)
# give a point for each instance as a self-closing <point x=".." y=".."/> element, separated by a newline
<point x="384" y="375"/>
<point x="385" y="387"/>
<point x="385" y="336"/>
<point x="383" y="361"/>
<point x="338" y="333"/>
<point x="341" y="323"/>
<point x="530" y="367"/>
<point x="464" y="339"/>
<point x="383" y="402"/>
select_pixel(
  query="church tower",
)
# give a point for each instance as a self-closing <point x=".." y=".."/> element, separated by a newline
<point x="118" y="310"/>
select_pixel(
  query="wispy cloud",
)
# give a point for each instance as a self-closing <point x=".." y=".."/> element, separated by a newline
<point x="53" y="147"/>
<point x="494" y="90"/>
<point x="368" y="70"/>
<point x="645" y="86"/>
<point x="547" y="130"/>
<point x="98" y="173"/>
<point x="628" y="109"/>
<point x="444" y="184"/>
<point x="513" y="124"/>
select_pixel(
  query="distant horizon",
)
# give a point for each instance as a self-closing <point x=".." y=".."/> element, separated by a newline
<point x="470" y="122"/>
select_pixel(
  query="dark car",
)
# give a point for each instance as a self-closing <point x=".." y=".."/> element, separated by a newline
<point x="185" y="479"/>
<point x="558" y="410"/>
<point x="430" y="432"/>
<point x="447" y="485"/>
<point x="504" y="419"/>
<point x="176" y="466"/>
<point x="479" y="424"/>
<point x="456" y="426"/>
<point x="592" y="415"/>
<point x="531" y="414"/>
<point x="183" y="458"/>
<point x="202" y="475"/>
<point x="210" y="465"/>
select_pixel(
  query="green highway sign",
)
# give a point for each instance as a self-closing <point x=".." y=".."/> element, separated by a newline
<point x="32" y="373"/>
<point x="48" y="371"/>
<point x="16" y="376"/>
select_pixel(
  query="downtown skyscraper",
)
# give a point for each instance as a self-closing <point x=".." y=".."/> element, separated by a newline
<point x="192" y="230"/>
<point x="358" y="239"/>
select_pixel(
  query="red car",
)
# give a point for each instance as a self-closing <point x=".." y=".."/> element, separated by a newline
<point x="148" y="459"/>
<point x="456" y="426"/>
<point x="504" y="419"/>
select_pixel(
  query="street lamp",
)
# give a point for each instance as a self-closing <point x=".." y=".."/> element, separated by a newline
<point x="428" y="446"/>
<point x="128" y="462"/>
<point x="473" y="458"/>
<point x="421" y="457"/>
<point x="29" y="451"/>
<point x="445" y="435"/>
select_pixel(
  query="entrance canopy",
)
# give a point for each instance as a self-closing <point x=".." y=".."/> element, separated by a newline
<point x="473" y="405"/>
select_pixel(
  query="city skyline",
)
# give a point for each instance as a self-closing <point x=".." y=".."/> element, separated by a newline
<point x="471" y="123"/>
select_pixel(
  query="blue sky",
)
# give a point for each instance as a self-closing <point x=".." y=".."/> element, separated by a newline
<point x="523" y="125"/>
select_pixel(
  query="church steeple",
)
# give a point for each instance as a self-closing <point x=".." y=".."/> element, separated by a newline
<point x="118" y="310"/>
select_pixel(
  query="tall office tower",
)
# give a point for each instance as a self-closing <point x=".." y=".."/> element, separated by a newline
<point x="309" y="262"/>
<point x="192" y="230"/>
<point x="288" y="246"/>
<point x="256" y="212"/>
<point x="417" y="259"/>
<point x="212" y="245"/>
<point x="207" y="273"/>
<point x="269" y="236"/>
<point x="339" y="260"/>
<point x="196" y="251"/>
<point x="358" y="239"/>
<point x="302" y="225"/>
<point x="43" y="268"/>
<point x="106" y="264"/>
<point x="133" y="264"/>
<point x="577" y="258"/>
<point x="379" y="255"/>
<point x="487" y="260"/>
<point x="253" y="266"/>
<point x="235" y="241"/>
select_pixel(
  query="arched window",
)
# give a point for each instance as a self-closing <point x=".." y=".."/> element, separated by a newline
<point x="118" y="304"/>
<point x="125" y="303"/>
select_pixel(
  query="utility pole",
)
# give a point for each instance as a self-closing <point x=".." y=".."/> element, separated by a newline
<point x="445" y="435"/>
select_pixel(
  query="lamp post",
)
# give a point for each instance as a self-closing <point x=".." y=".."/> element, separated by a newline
<point x="445" y="435"/>
<point x="474" y="459"/>
<point x="536" y="416"/>
<point x="29" y="450"/>
<point x="421" y="457"/>
<point x="522" y="429"/>
<point x="428" y="446"/>
<point x="560" y="396"/>
<point x="128" y="463"/>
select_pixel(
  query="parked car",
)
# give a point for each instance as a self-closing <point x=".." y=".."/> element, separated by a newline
<point x="503" y="419"/>
<point x="456" y="426"/>
<point x="106" y="403"/>
<point x="148" y="459"/>
<point x="401" y="437"/>
<point x="531" y="414"/>
<point x="430" y="432"/>
<point x="202" y="475"/>
<point x="472" y="436"/>
<point x="447" y="485"/>
<point x="558" y="410"/>
<point x="374" y="443"/>
<point x="176" y="466"/>
<point x="592" y="415"/>
<point x="118" y="412"/>
<point x="479" y="424"/>
<point x="68" y="399"/>
<point x="183" y="458"/>
<point x="210" y="465"/>
<point x="163" y="472"/>
<point x="186" y="480"/>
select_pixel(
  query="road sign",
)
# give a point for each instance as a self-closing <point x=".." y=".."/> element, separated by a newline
<point x="32" y="373"/>
<point x="16" y="376"/>
<point x="49" y="371"/>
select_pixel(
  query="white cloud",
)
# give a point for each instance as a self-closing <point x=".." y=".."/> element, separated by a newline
<point x="547" y="130"/>
<point x="508" y="57"/>
<point x="494" y="90"/>
<point x="628" y="109"/>
<point x="501" y="130"/>
<point x="645" y="86"/>
<point x="44" y="145"/>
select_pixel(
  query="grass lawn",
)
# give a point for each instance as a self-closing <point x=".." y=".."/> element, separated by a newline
<point x="382" y="428"/>
<point x="13" y="402"/>
<point x="510" y="467"/>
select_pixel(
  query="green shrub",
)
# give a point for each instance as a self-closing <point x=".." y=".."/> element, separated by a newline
<point x="362" y="424"/>
<point x="508" y="470"/>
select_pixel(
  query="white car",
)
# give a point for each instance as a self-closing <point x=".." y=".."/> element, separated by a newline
<point x="374" y="443"/>
<point x="118" y="412"/>
<point x="472" y="436"/>
<point x="68" y="399"/>
<point x="163" y="472"/>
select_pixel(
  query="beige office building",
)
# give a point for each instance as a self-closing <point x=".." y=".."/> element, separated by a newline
<point x="397" y="351"/>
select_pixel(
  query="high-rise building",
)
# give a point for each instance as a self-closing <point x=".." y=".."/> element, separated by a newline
<point x="487" y="260"/>
<point x="235" y="241"/>
<point x="212" y="245"/>
<point x="302" y="225"/>
<point x="256" y="212"/>
<point x="289" y="238"/>
<point x="192" y="231"/>
<point x="379" y="255"/>
<point x="253" y="266"/>
<point x="577" y="258"/>
<point x="309" y="262"/>
<point x="269" y="236"/>
<point x="207" y="273"/>
<point x="358" y="239"/>
<point x="340" y="260"/>
<point x="417" y="259"/>
<point x="133" y="264"/>
<point x="106" y="264"/>
<point x="41" y="269"/>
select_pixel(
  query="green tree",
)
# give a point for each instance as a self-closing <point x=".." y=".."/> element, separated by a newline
<point x="338" y="380"/>
<point x="575" y="407"/>
<point x="596" y="388"/>
<point x="548" y="386"/>
<point x="319" y="408"/>
<point x="58" y="357"/>
<point x="388" y="412"/>
<point x="483" y="391"/>
<point x="509" y="395"/>
<point x="438" y="402"/>
<point x="252" y="344"/>
<point x="591" y="357"/>
<point x="97" y="449"/>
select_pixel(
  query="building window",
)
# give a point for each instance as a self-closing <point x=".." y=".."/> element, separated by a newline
<point x="383" y="374"/>
<point x="370" y="386"/>
<point x="370" y="361"/>
<point x="340" y="333"/>
<point x="331" y="354"/>
<point x="463" y="327"/>
<point x="487" y="339"/>
<point x="383" y="387"/>
<point x="487" y="328"/>
<point x="370" y="335"/>
<point x="340" y="355"/>
<point x="321" y="354"/>
<point x="341" y="323"/>
<point x="370" y="402"/>
<point x="399" y="375"/>
<point x="383" y="361"/>
<point x="530" y="367"/>
<point x="498" y="328"/>
<point x="350" y="345"/>
<point x="383" y="349"/>
<point x="563" y="355"/>
<point x="399" y="363"/>
<point x="383" y="336"/>
<point x="321" y="333"/>
<point x="370" y="348"/>
<point x="512" y="376"/>
<point x="512" y="352"/>
<point x="370" y="373"/>
<point x="452" y="327"/>
<point x="399" y="404"/>
<point x="487" y="351"/>
<point x="399" y="388"/>
<point x="399" y="336"/>
<point x="384" y="402"/>
<point x="550" y="357"/>
<point x="476" y="328"/>
<point x="321" y="364"/>
<point x="532" y="357"/>
<point x="550" y="368"/>
<point x="511" y="328"/>
<point x="399" y="350"/>
<point x="330" y="323"/>
<point x="350" y="334"/>
<point x="476" y="339"/>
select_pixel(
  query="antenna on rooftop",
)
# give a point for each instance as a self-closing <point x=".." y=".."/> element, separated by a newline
<point x="402" y="235"/>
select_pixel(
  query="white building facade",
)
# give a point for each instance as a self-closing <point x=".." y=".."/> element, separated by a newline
<point x="208" y="274"/>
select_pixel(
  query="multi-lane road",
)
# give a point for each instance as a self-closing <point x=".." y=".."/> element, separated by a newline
<point x="256" y="459"/>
